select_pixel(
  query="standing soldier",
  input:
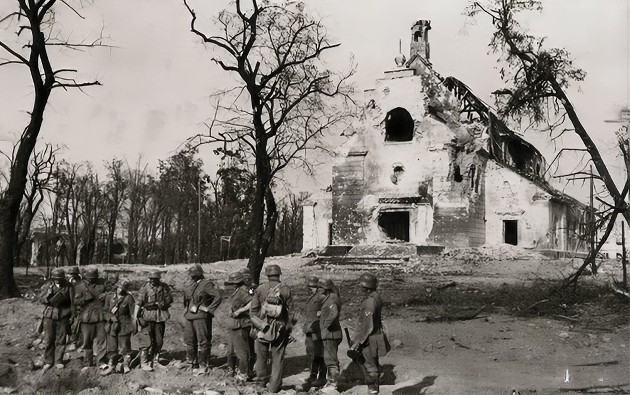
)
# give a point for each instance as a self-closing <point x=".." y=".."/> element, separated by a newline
<point x="251" y="289"/>
<point x="154" y="300"/>
<point x="331" y="330"/>
<point x="75" y="283"/>
<point x="201" y="299"/>
<point x="239" y="338"/>
<point x="313" y="336"/>
<point x="272" y="305"/>
<point x="119" y="309"/>
<point x="89" y="300"/>
<point x="369" y="339"/>
<point x="55" y="295"/>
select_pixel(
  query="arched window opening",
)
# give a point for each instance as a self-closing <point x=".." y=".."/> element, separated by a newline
<point x="398" y="125"/>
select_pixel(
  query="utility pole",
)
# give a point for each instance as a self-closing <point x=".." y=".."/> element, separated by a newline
<point x="592" y="226"/>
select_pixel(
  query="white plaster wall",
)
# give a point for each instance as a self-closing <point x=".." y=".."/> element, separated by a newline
<point x="317" y="215"/>
<point x="511" y="197"/>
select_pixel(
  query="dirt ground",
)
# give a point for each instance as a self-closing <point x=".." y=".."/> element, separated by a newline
<point x="523" y="337"/>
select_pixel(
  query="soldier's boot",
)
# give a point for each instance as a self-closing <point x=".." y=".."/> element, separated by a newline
<point x="145" y="364"/>
<point x="191" y="359"/>
<point x="373" y="385"/>
<point x="231" y="365"/>
<point x="125" y="363"/>
<point x="333" y="374"/>
<point x="88" y="359"/>
<point x="156" y="360"/>
<point x="203" y="363"/>
<point x="321" y="372"/>
<point x="308" y="382"/>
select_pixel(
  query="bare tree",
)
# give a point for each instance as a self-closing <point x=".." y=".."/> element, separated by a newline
<point x="537" y="78"/>
<point x="116" y="190"/>
<point x="34" y="19"/>
<point x="40" y="181"/>
<point x="275" y="52"/>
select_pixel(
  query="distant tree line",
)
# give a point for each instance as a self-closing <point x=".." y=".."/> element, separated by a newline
<point x="129" y="215"/>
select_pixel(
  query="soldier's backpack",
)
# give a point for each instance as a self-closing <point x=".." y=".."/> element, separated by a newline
<point x="273" y="304"/>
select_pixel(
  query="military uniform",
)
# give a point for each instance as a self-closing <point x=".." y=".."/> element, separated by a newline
<point x="282" y="326"/>
<point x="154" y="300"/>
<point x="241" y="325"/>
<point x="201" y="299"/>
<point x="369" y="337"/>
<point x="331" y="330"/>
<point x="120" y="325"/>
<point x="89" y="299"/>
<point x="74" y="284"/>
<point x="312" y="333"/>
<point x="56" y="298"/>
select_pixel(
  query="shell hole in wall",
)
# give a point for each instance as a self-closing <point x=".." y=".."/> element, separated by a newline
<point x="398" y="125"/>
<point x="397" y="174"/>
<point x="457" y="174"/>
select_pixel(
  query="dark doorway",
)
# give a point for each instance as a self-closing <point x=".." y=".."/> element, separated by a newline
<point x="510" y="231"/>
<point x="330" y="234"/>
<point x="395" y="224"/>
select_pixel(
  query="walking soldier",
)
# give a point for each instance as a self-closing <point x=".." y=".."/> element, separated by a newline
<point x="369" y="339"/>
<point x="89" y="299"/>
<point x="239" y="338"/>
<point x="331" y="330"/>
<point x="119" y="309"/>
<point x="55" y="295"/>
<point x="272" y="314"/>
<point x="201" y="299"/>
<point x="154" y="300"/>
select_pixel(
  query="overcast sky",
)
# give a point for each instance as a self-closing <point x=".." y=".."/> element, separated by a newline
<point x="157" y="80"/>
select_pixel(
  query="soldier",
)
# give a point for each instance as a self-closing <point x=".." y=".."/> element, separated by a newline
<point x="331" y="330"/>
<point x="119" y="308"/>
<point x="154" y="300"/>
<point x="89" y="300"/>
<point x="251" y="288"/>
<point x="75" y="282"/>
<point x="201" y="299"/>
<point x="55" y="295"/>
<point x="313" y="336"/>
<point x="239" y="338"/>
<point x="272" y="306"/>
<point x="369" y="339"/>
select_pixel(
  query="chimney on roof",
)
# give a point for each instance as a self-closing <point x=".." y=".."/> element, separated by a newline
<point x="420" y="39"/>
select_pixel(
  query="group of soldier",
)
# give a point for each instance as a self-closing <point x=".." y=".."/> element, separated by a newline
<point x="100" y="317"/>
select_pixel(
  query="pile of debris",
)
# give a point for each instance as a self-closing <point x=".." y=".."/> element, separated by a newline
<point x="384" y="250"/>
<point x="492" y="253"/>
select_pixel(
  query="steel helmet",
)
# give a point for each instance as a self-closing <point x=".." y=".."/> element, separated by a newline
<point x="273" y="270"/>
<point x="58" y="273"/>
<point x="368" y="280"/>
<point x="91" y="273"/>
<point x="328" y="285"/>
<point x="155" y="274"/>
<point x="73" y="270"/>
<point x="196" y="270"/>
<point x="312" y="281"/>
<point x="235" y="278"/>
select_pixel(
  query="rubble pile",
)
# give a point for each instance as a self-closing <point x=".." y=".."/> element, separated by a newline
<point x="392" y="250"/>
<point x="492" y="253"/>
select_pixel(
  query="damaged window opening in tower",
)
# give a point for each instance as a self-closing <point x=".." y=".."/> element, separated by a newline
<point x="398" y="125"/>
<point x="395" y="224"/>
<point x="510" y="231"/>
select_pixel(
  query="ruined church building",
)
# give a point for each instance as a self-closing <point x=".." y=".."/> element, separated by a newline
<point x="431" y="165"/>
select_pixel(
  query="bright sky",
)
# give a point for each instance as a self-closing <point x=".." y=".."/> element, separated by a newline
<point x="157" y="80"/>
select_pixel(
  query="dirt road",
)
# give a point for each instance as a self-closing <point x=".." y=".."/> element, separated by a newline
<point x="523" y="338"/>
